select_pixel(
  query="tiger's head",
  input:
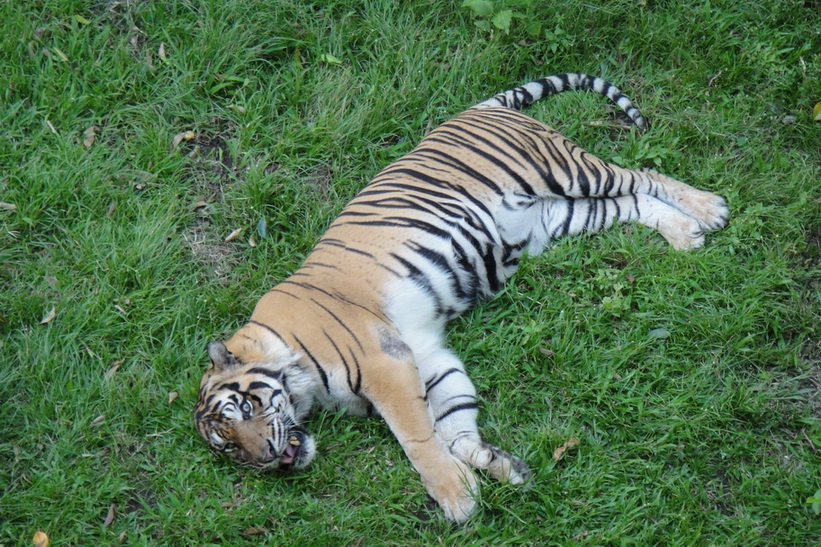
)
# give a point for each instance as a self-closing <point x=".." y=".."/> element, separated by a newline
<point x="251" y="402"/>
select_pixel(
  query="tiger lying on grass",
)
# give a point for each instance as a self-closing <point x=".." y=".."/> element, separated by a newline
<point x="361" y="324"/>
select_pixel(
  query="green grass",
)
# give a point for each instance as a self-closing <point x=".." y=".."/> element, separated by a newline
<point x="691" y="380"/>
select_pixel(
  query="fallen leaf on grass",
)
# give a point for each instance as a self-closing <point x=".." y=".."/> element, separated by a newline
<point x="254" y="531"/>
<point x="252" y="242"/>
<point x="51" y="127"/>
<point x="114" y="368"/>
<point x="659" y="333"/>
<point x="816" y="112"/>
<point x="559" y="452"/>
<point x="63" y="57"/>
<point x="109" y="518"/>
<point x="262" y="228"/>
<point x="233" y="235"/>
<point x="90" y="135"/>
<point x="161" y="51"/>
<point x="329" y="59"/>
<point x="97" y="421"/>
<point x="172" y="396"/>
<point x="179" y="137"/>
<point x="8" y="206"/>
<point x="47" y="318"/>
<point x="40" y="539"/>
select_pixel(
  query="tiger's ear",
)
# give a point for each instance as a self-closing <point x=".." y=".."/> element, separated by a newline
<point x="221" y="358"/>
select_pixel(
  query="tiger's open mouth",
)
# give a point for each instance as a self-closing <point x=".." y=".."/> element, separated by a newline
<point x="298" y="451"/>
<point x="291" y="450"/>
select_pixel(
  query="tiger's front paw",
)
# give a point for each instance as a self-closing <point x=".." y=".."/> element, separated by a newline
<point x="455" y="490"/>
<point x="506" y="467"/>
<point x="501" y="465"/>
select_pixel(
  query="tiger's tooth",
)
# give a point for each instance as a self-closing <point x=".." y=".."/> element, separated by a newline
<point x="293" y="441"/>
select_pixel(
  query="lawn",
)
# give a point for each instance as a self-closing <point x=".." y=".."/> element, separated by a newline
<point x="136" y="137"/>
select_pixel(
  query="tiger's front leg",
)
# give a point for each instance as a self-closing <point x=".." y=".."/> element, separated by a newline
<point x="395" y="389"/>
<point x="452" y="398"/>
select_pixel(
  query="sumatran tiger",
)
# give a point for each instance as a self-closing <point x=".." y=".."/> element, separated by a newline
<point x="360" y="325"/>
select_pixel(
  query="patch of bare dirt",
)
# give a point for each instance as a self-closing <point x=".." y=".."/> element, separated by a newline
<point x="210" y="250"/>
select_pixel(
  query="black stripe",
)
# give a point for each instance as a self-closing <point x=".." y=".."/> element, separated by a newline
<point x="457" y="408"/>
<point x="341" y="322"/>
<point x="421" y="280"/>
<point x="319" y="369"/>
<point x="400" y="169"/>
<point x="430" y="384"/>
<point x="334" y="296"/>
<point x="342" y="358"/>
<point x="269" y="329"/>
<point x="337" y="243"/>
<point x="259" y="385"/>
<point x="447" y="138"/>
<point x="277" y="289"/>
<point x="358" y="385"/>
<point x="510" y="138"/>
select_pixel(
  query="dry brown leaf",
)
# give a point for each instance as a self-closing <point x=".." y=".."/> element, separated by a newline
<point x="90" y="135"/>
<point x="254" y="531"/>
<point x="559" y="452"/>
<point x="233" y="235"/>
<point x="97" y="421"/>
<point x="8" y="206"/>
<point x="252" y="242"/>
<point x="161" y="51"/>
<point x="179" y="137"/>
<point x="109" y="518"/>
<point x="114" y="368"/>
<point x="172" y="396"/>
<point x="40" y="539"/>
<point x="199" y="205"/>
<point x="47" y="318"/>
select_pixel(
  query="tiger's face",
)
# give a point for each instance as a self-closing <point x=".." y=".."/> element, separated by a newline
<point x="246" y="412"/>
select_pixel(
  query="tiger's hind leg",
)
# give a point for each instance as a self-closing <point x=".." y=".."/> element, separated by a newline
<point x="452" y="399"/>
<point x="592" y="177"/>
<point x="576" y="216"/>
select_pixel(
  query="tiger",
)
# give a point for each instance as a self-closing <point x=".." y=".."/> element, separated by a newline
<point x="360" y="326"/>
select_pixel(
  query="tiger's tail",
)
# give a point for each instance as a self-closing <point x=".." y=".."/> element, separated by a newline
<point x="527" y="94"/>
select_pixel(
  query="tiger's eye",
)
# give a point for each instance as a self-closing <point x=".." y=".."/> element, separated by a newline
<point x="229" y="447"/>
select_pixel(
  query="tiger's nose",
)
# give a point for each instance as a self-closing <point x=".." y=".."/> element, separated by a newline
<point x="267" y="454"/>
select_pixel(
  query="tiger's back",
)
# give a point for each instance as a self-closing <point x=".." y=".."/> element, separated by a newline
<point x="361" y="324"/>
